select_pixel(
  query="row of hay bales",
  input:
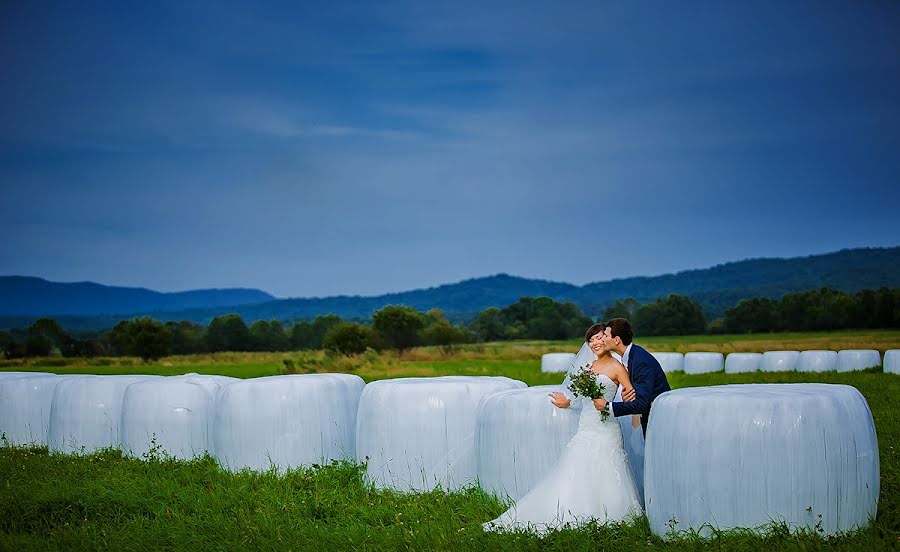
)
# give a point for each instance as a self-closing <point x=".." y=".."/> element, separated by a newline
<point x="413" y="433"/>
<point x="772" y="361"/>
<point x="454" y="431"/>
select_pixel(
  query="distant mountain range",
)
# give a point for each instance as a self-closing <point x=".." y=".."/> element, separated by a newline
<point x="94" y="306"/>
<point x="24" y="295"/>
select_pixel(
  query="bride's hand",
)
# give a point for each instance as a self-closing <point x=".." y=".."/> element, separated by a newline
<point x="628" y="395"/>
<point x="560" y="400"/>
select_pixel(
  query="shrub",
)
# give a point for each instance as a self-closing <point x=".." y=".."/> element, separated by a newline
<point x="349" y="338"/>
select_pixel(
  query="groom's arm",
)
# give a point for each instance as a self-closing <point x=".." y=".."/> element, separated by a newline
<point x="642" y="380"/>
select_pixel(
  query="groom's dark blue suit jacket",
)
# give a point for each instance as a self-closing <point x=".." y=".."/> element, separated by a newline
<point x="649" y="381"/>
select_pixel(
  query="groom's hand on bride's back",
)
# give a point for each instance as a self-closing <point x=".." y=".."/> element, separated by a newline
<point x="559" y="400"/>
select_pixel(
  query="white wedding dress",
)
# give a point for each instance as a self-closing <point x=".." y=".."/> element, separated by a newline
<point x="591" y="481"/>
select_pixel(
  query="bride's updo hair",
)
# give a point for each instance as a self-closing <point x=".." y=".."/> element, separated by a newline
<point x="594" y="330"/>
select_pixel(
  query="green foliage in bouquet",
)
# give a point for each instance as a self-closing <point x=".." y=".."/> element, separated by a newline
<point x="583" y="383"/>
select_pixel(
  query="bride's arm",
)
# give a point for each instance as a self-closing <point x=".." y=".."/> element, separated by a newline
<point x="564" y="397"/>
<point x="624" y="381"/>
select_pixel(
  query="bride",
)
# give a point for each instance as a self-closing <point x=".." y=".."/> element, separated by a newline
<point x="592" y="480"/>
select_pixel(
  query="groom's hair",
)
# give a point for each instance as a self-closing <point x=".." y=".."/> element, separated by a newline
<point x="619" y="327"/>
<point x="594" y="330"/>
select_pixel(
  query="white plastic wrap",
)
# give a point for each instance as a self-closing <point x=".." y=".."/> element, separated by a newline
<point x="703" y="363"/>
<point x="817" y="361"/>
<point x="557" y="362"/>
<point x="851" y="360"/>
<point x="25" y="408"/>
<point x="738" y="363"/>
<point x="892" y="361"/>
<point x="87" y="411"/>
<point x="8" y="375"/>
<point x="519" y="436"/>
<point x="633" y="438"/>
<point x="780" y="361"/>
<point x="171" y="416"/>
<point x="744" y="455"/>
<point x="420" y="432"/>
<point x="286" y="421"/>
<point x="670" y="362"/>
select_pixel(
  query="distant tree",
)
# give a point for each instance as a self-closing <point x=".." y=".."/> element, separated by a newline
<point x="10" y="346"/>
<point x="623" y="308"/>
<point x="398" y="326"/>
<point x="142" y="337"/>
<point x="37" y="345"/>
<point x="268" y="336"/>
<point x="311" y="335"/>
<point x="187" y="338"/>
<point x="759" y="314"/>
<point x="886" y="310"/>
<point x="674" y="315"/>
<point x="436" y="315"/>
<point x="349" y="338"/>
<point x="446" y="336"/>
<point x="228" y="333"/>
<point x="543" y="318"/>
<point x="301" y="335"/>
<point x="489" y="326"/>
<point x="150" y="339"/>
<point x="46" y="337"/>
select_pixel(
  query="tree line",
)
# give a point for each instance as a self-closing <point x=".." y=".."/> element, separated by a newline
<point x="400" y="327"/>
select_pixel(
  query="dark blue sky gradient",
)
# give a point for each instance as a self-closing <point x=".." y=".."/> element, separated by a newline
<point x="313" y="149"/>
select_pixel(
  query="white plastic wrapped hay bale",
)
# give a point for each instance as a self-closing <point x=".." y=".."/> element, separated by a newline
<point x="892" y="361"/>
<point x="9" y="375"/>
<point x="171" y="416"/>
<point x="86" y="412"/>
<point x="780" y="361"/>
<point x="416" y="433"/>
<point x="703" y="363"/>
<point x="213" y="382"/>
<point x="25" y="408"/>
<point x="286" y="421"/>
<point x="739" y="363"/>
<point x="817" y="361"/>
<point x="519" y="436"/>
<point x="744" y="455"/>
<point x="851" y="360"/>
<point x="670" y="362"/>
<point x="557" y="362"/>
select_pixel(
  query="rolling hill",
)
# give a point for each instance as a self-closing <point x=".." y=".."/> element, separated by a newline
<point x="87" y="305"/>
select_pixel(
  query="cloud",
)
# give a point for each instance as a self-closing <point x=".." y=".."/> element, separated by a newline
<point x="312" y="149"/>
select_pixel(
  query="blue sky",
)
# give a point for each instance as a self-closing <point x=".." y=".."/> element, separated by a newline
<point x="313" y="149"/>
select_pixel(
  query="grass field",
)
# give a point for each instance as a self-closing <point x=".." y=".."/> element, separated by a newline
<point x="104" y="501"/>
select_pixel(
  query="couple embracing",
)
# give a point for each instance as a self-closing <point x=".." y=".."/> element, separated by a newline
<point x="592" y="479"/>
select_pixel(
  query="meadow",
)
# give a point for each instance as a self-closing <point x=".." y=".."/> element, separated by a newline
<point x="105" y="501"/>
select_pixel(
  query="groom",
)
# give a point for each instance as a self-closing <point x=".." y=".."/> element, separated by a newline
<point x="647" y="376"/>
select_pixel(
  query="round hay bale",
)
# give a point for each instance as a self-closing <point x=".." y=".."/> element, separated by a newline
<point x="703" y="363"/>
<point x="738" y="363"/>
<point x="286" y="421"/>
<point x="817" y="361"/>
<point x="744" y="455"/>
<point x="416" y="433"/>
<point x="780" y="361"/>
<point x="851" y="360"/>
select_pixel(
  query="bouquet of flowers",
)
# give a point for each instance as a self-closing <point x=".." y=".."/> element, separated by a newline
<point x="583" y="383"/>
